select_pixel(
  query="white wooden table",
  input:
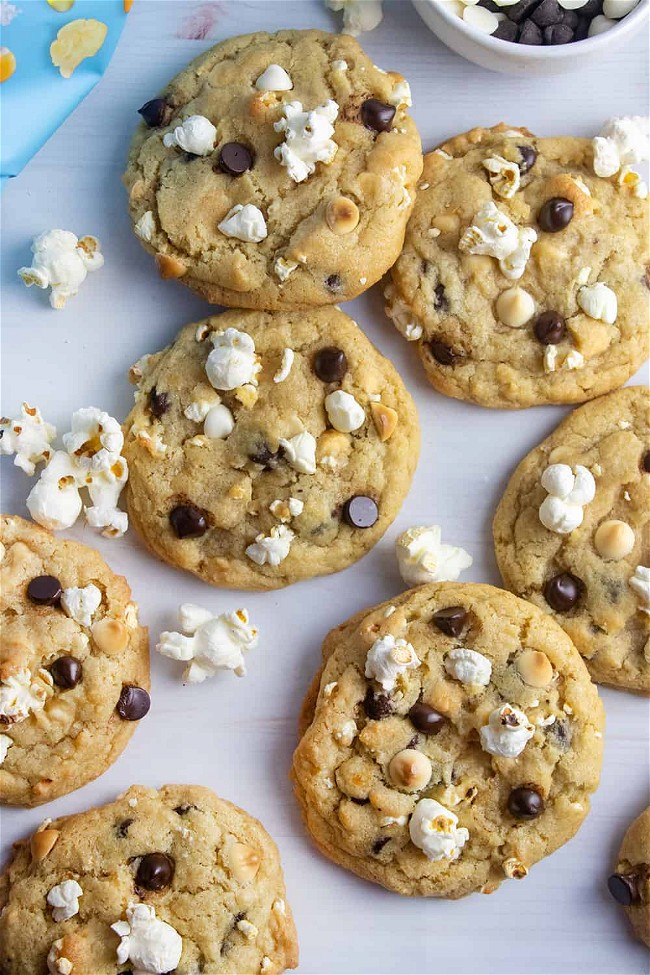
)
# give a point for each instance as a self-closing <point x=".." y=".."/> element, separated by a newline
<point x="238" y="736"/>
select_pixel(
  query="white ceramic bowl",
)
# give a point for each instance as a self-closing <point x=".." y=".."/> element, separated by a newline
<point x="523" y="59"/>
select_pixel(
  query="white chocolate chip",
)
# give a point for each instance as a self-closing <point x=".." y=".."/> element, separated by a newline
<point x="614" y="539"/>
<point x="515" y="307"/>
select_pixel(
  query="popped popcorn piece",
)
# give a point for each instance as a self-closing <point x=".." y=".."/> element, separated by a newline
<point x="232" y="362"/>
<point x="284" y="268"/>
<point x="145" y="227"/>
<point x="61" y="262"/>
<point x="640" y="583"/>
<point x="58" y="964"/>
<point x="492" y="233"/>
<point x="422" y="557"/>
<point x="64" y="899"/>
<point x="507" y="733"/>
<point x="21" y="694"/>
<point x="244" y="223"/>
<point x="388" y="658"/>
<point x="300" y="452"/>
<point x="272" y="548"/>
<point x="435" y="831"/>
<point x="599" y="302"/>
<point x="307" y="138"/>
<point x="196" y="135"/>
<point x="209" y="642"/>
<point x="569" y="490"/>
<point x="358" y="15"/>
<point x="81" y="603"/>
<point x="286" y="510"/>
<point x="344" y="412"/>
<point x="514" y="265"/>
<point x="5" y="744"/>
<point x="468" y="666"/>
<point x="401" y="95"/>
<point x="28" y="437"/>
<point x="95" y="440"/>
<point x="54" y="502"/>
<point x="76" y="41"/>
<point x="151" y="945"/>
<point x="505" y="176"/>
<point x="285" y="366"/>
<point x="622" y="142"/>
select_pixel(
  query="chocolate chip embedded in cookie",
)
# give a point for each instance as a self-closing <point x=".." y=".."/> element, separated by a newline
<point x="451" y="740"/>
<point x="629" y="885"/>
<point x="523" y="276"/>
<point x="277" y="171"/>
<point x="74" y="665"/>
<point x="571" y="534"/>
<point x="285" y="449"/>
<point x="129" y="886"/>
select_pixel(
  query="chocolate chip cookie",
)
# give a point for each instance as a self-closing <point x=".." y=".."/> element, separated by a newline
<point x="267" y="448"/>
<point x="630" y="884"/>
<point x="276" y="171"/>
<point x="572" y="534"/>
<point x="158" y="881"/>
<point x="74" y="665"/>
<point x="524" y="277"/>
<point x="451" y="740"/>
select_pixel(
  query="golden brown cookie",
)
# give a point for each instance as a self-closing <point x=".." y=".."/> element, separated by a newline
<point x="630" y="884"/>
<point x="524" y="277"/>
<point x="451" y="740"/>
<point x="276" y="171"/>
<point x="587" y="563"/>
<point x="74" y="664"/>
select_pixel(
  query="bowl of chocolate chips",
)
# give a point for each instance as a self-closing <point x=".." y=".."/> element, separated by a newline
<point x="532" y="37"/>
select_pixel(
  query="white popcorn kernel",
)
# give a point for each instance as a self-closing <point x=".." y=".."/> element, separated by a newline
<point x="492" y="233"/>
<point x="145" y="228"/>
<point x="285" y="366"/>
<point x="283" y="268"/>
<point x="104" y="488"/>
<point x="244" y="223"/>
<point x="505" y="176"/>
<point x="388" y="658"/>
<point x="346" y="733"/>
<point x="209" y="642"/>
<point x="54" y="502"/>
<point x="401" y="95"/>
<point x="275" y="78"/>
<point x="623" y="141"/>
<point x="64" y="899"/>
<point x="58" y="964"/>
<point x="507" y="733"/>
<point x="151" y="945"/>
<point x="307" y="138"/>
<point x="514" y="265"/>
<point x="61" y="262"/>
<point x="95" y="440"/>
<point x="402" y="316"/>
<point x="569" y="490"/>
<point x="300" y="452"/>
<point x="435" y="831"/>
<point x="219" y="422"/>
<point x="81" y="604"/>
<point x="550" y="358"/>
<point x="5" y="744"/>
<point x="630" y="178"/>
<point x="196" y="135"/>
<point x="359" y="16"/>
<point x="343" y="411"/>
<point x="272" y="548"/>
<point x="599" y="302"/>
<point x="21" y="694"/>
<point x="286" y="510"/>
<point x="422" y="557"/>
<point x="640" y="583"/>
<point x="197" y="410"/>
<point x="232" y="362"/>
<point x="28" y="437"/>
<point x="468" y="666"/>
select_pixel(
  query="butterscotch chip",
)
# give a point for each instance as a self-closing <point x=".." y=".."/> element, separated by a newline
<point x="110" y="635"/>
<point x="342" y="215"/>
<point x="170" y="267"/>
<point x="243" y="862"/>
<point x="535" y="668"/>
<point x="42" y="843"/>
<point x="385" y="419"/>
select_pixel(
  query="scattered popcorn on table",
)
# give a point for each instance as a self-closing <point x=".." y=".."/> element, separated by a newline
<point x="61" y="262"/>
<point x="422" y="557"/>
<point x="209" y="642"/>
<point x="28" y="437"/>
<point x="359" y="16"/>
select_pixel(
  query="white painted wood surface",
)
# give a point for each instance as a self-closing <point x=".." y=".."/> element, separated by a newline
<point x="238" y="736"/>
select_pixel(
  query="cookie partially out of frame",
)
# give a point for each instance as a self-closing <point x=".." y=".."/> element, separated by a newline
<point x="500" y="340"/>
<point x="196" y="879"/>
<point x="296" y="472"/>
<point x="322" y="240"/>
<point x="74" y="664"/>
<point x="594" y="579"/>
<point x="451" y="740"/>
<point x="630" y="884"/>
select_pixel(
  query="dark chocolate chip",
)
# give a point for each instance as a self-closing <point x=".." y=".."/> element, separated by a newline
<point x="155" y="112"/>
<point x="235" y="158"/>
<point x="441" y="302"/>
<point x="330" y="364"/>
<point x="450" y="620"/>
<point x="558" y="34"/>
<point x="519" y="11"/>
<point x="123" y="828"/>
<point x="333" y="283"/>
<point x="155" y="871"/>
<point x="426" y="719"/>
<point x="377" y="115"/>
<point x="379" y="844"/>
<point x="563" y="591"/>
<point x="570" y="18"/>
<point x="623" y="888"/>
<point x="528" y="158"/>
<point x="188" y="521"/>
<point x="45" y="591"/>
<point x="561" y="732"/>
<point x="442" y="353"/>
<point x="549" y="328"/>
<point x="377" y="706"/>
<point x="158" y="402"/>
<point x="555" y="215"/>
<point x="645" y="463"/>
<point x="525" y="803"/>
<point x="530" y="33"/>
<point x="133" y="703"/>
<point x="360" y="511"/>
<point x="591" y="9"/>
<point x="490" y="5"/>
<point x="265" y="457"/>
<point x="548" y="13"/>
<point x="506" y="31"/>
<point x="183" y="809"/>
<point x="66" y="672"/>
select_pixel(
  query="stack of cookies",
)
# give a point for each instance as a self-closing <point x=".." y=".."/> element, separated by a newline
<point x="453" y="736"/>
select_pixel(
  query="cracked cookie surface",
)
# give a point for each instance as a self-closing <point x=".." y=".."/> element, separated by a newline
<point x="206" y="867"/>
<point x="281" y="494"/>
<point x="359" y="792"/>
<point x="630" y="884"/>
<point x="446" y="294"/>
<point x="585" y="578"/>
<point x="68" y="688"/>
<point x="334" y="233"/>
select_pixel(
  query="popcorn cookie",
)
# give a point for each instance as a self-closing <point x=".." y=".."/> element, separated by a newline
<point x="524" y="277"/>
<point x="277" y="171"/>
<point x="630" y="884"/>
<point x="451" y="740"/>
<point x="74" y="665"/>
<point x="571" y="534"/>
<point x="158" y="881"/>
<point x="267" y="448"/>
